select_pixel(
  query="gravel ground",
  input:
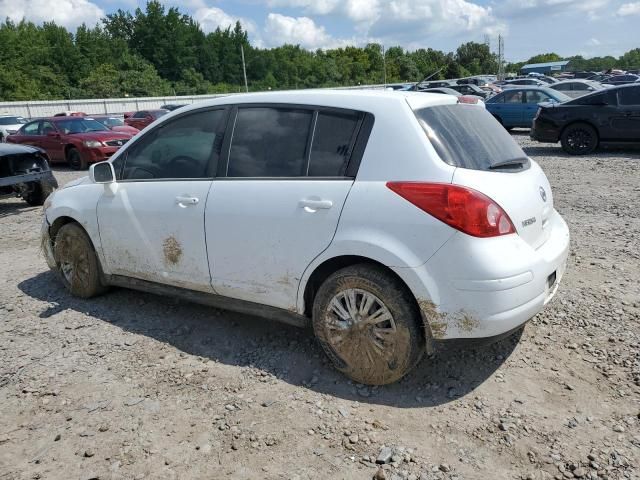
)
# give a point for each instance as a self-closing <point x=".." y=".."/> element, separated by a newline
<point x="131" y="385"/>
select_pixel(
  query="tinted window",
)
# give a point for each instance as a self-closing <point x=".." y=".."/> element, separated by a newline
<point x="605" y="98"/>
<point x="563" y="87"/>
<point x="187" y="147"/>
<point x="159" y="113"/>
<point x="629" y="96"/>
<point x="30" y="128"/>
<point x="580" y="86"/>
<point x="332" y="141"/>
<point x="269" y="142"/>
<point x="47" y="127"/>
<point x="139" y="115"/>
<point x="469" y="137"/>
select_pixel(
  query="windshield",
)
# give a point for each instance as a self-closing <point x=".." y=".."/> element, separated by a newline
<point x="80" y="125"/>
<point x="469" y="137"/>
<point x="559" y="96"/>
<point x="12" y="120"/>
<point x="110" y="121"/>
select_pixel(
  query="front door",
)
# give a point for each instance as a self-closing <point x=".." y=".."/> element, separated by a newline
<point x="51" y="141"/>
<point x="511" y="110"/>
<point x="152" y="220"/>
<point x="279" y="200"/>
<point x="532" y="100"/>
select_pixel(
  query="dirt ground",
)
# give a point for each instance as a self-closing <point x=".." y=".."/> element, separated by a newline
<point x="133" y="386"/>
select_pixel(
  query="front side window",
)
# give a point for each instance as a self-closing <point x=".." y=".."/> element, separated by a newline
<point x="537" y="97"/>
<point x="332" y="140"/>
<point x="187" y="147"/>
<point x="47" y="128"/>
<point x="513" y="97"/>
<point x="269" y="142"/>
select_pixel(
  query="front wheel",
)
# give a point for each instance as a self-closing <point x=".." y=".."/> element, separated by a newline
<point x="76" y="261"/>
<point x="579" y="139"/>
<point x="368" y="324"/>
<point x="75" y="160"/>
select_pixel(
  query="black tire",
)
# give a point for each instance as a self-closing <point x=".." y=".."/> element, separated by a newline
<point x="38" y="194"/>
<point x="75" y="160"/>
<point x="76" y="261"/>
<point x="370" y="353"/>
<point x="579" y="139"/>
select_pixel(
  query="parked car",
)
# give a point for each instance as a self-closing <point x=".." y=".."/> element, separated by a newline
<point x="472" y="99"/>
<point x="116" y="124"/>
<point x="10" y="124"/>
<point x="143" y="118"/>
<point x="455" y="238"/>
<point x="172" y="106"/>
<point x="621" y="79"/>
<point x="70" y="113"/>
<point x="577" y="88"/>
<point x="470" y="89"/>
<point x="78" y="141"/>
<point x="25" y="173"/>
<point x="516" y="107"/>
<point x="436" y="84"/>
<point x="581" y="125"/>
<point x="583" y="75"/>
<point x="525" y="81"/>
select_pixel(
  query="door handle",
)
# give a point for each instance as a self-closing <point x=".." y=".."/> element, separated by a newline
<point x="311" y="205"/>
<point x="186" y="200"/>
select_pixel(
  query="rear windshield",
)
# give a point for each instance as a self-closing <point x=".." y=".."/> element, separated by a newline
<point x="467" y="136"/>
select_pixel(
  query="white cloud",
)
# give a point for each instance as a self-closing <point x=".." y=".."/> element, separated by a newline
<point x="213" y="17"/>
<point x="280" y="29"/>
<point x="629" y="9"/>
<point x="593" y="42"/>
<point x="68" y="13"/>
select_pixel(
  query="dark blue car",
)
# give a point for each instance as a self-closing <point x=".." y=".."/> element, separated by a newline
<point x="516" y="107"/>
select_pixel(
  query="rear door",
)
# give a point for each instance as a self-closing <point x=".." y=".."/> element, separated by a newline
<point x="29" y="134"/>
<point x="513" y="108"/>
<point x="277" y="200"/>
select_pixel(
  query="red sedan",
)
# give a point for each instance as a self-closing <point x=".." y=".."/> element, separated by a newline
<point x="143" y="118"/>
<point x="76" y="140"/>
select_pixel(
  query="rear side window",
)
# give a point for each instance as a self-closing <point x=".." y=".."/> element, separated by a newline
<point x="469" y="137"/>
<point x="31" y="128"/>
<point x="332" y="143"/>
<point x="629" y="96"/>
<point x="513" y="97"/>
<point x="270" y="142"/>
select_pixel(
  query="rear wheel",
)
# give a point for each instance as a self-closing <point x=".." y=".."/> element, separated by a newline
<point x="75" y="160"/>
<point x="77" y="263"/>
<point x="579" y="139"/>
<point x="368" y="324"/>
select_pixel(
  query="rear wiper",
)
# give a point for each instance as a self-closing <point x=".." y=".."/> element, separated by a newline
<point x="511" y="163"/>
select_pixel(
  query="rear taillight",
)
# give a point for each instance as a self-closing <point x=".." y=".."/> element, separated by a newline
<point x="467" y="99"/>
<point x="460" y="207"/>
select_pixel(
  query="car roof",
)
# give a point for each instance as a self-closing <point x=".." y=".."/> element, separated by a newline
<point x="363" y="100"/>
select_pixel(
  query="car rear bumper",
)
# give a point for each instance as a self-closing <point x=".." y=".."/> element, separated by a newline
<point x="477" y="288"/>
<point x="544" y="132"/>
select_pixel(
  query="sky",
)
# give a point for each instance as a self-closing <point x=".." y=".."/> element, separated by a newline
<point x="567" y="27"/>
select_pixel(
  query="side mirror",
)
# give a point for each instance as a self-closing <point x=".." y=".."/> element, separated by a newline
<point x="102" y="172"/>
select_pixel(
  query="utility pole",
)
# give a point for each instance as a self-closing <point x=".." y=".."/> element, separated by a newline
<point x="501" y="73"/>
<point x="384" y="67"/>
<point x="244" y="70"/>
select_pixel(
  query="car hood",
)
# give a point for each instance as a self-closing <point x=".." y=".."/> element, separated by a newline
<point x="15" y="127"/>
<point x="125" y="129"/>
<point x="77" y="181"/>
<point x="101" y="136"/>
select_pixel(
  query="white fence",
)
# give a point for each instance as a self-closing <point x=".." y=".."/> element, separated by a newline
<point x="108" y="105"/>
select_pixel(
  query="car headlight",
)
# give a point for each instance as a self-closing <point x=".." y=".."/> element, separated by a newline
<point x="92" y="143"/>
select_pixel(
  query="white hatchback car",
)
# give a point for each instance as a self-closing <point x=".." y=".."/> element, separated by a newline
<point x="387" y="220"/>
